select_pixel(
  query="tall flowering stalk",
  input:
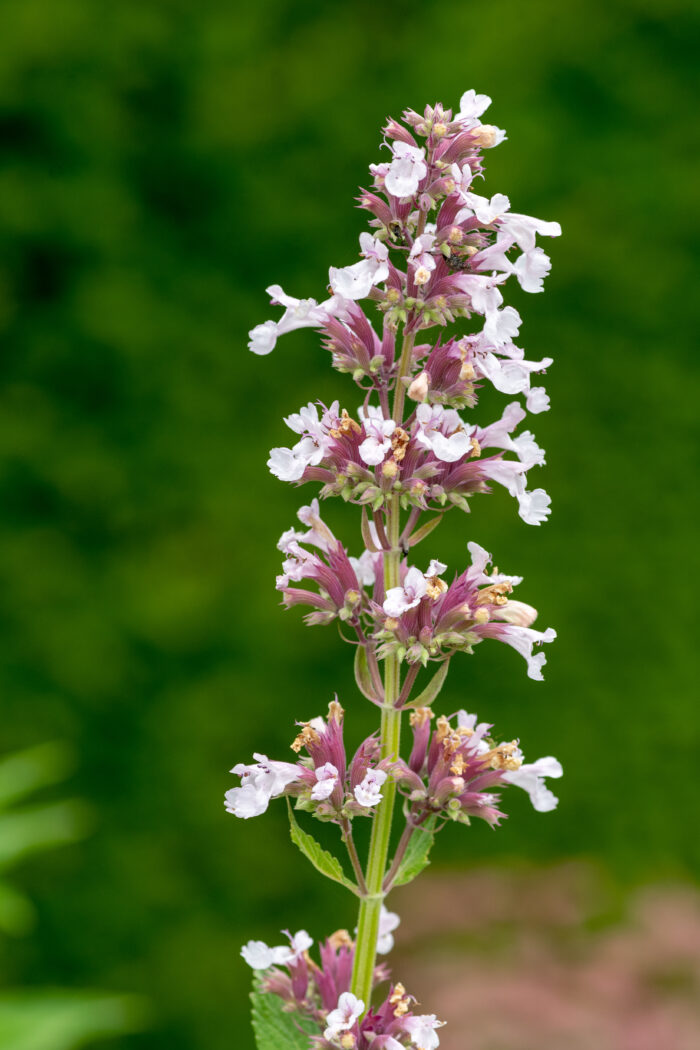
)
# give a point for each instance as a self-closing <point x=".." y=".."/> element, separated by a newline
<point x="437" y="256"/>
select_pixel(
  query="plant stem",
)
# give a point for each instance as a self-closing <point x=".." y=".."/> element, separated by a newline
<point x="352" y="852"/>
<point x="371" y="905"/>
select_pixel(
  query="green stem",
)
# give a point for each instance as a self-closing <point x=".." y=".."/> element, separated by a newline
<point x="371" y="904"/>
<point x="390" y="734"/>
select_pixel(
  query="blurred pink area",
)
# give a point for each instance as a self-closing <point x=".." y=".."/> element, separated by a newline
<point x="552" y="960"/>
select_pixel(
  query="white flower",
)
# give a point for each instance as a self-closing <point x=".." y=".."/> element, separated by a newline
<point x="523" y="229"/>
<point x="326" y="779"/>
<point x="342" y="1019"/>
<point x="299" y="313"/>
<point x="400" y="599"/>
<point x="378" y="432"/>
<point x="462" y="178"/>
<point x="483" y="291"/>
<point x="421" y="258"/>
<point x="260" y="957"/>
<point x="486" y="211"/>
<point x="472" y="105"/>
<point x="406" y="170"/>
<point x="367" y="792"/>
<point x="364" y="569"/>
<point x="259" y="783"/>
<point x="523" y="639"/>
<point x="443" y="432"/>
<point x="534" y="507"/>
<point x="531" y="268"/>
<point x="388" y="922"/>
<point x="436" y="568"/>
<point x="300" y="943"/>
<point x="289" y="464"/>
<point x="537" y="399"/>
<point x="502" y="325"/>
<point x="531" y="776"/>
<point x="355" y="282"/>
<point x="263" y="338"/>
<point x="421" y="1028"/>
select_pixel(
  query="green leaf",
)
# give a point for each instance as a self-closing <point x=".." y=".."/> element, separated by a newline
<point x="415" y="859"/>
<point x="362" y="675"/>
<point x="65" y="1020"/>
<point x="274" y="1028"/>
<point x="424" y="530"/>
<point x="433" y="687"/>
<point x="27" y="771"/>
<point x="321" y="859"/>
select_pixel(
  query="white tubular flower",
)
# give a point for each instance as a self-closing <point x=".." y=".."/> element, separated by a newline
<point x="388" y="922"/>
<point x="378" y="430"/>
<point x="471" y="106"/>
<point x="299" y="313"/>
<point x="523" y="639"/>
<point x="348" y="1011"/>
<point x="534" y="507"/>
<point x="406" y="170"/>
<point x="400" y="599"/>
<point x="531" y="268"/>
<point x="421" y="258"/>
<point x="436" y="568"/>
<point x="259" y="783"/>
<point x="353" y="282"/>
<point x="443" y="432"/>
<point x="364" y="569"/>
<point x="537" y="399"/>
<point x="263" y="338"/>
<point x="502" y="326"/>
<point x="524" y="228"/>
<point x="462" y="178"/>
<point x="531" y="776"/>
<point x="368" y="791"/>
<point x="260" y="957"/>
<point x="326" y="779"/>
<point x="422" y="1029"/>
<point x="300" y="942"/>
<point x="486" y="211"/>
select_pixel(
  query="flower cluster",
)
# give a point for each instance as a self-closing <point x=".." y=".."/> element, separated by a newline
<point x="324" y="783"/>
<point x="451" y="773"/>
<point x="423" y="618"/>
<point x="453" y="770"/>
<point x="435" y="459"/>
<point x="321" y="995"/>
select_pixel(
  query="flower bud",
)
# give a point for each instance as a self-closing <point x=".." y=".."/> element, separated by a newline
<point x="487" y="136"/>
<point x="418" y="390"/>
<point x="390" y="468"/>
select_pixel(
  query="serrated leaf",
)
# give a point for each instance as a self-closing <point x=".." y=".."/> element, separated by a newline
<point x="424" y="531"/>
<point x="321" y="859"/>
<point x="433" y="687"/>
<point x="362" y="675"/>
<point x="274" y="1028"/>
<point x="415" y="859"/>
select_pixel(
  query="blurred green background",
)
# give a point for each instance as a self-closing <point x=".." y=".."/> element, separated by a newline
<point x="162" y="162"/>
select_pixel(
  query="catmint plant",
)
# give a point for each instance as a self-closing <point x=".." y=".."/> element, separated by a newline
<point x="432" y="331"/>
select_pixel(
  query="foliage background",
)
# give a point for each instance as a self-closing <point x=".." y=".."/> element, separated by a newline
<point x="162" y="161"/>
